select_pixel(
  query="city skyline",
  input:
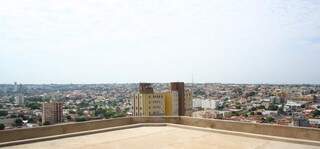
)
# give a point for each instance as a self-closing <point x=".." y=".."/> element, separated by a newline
<point x="78" y="42"/>
<point x="159" y="74"/>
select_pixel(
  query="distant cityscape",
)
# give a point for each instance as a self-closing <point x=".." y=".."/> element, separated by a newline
<point x="32" y="105"/>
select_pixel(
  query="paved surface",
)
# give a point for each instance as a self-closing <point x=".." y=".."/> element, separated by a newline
<point x="161" y="138"/>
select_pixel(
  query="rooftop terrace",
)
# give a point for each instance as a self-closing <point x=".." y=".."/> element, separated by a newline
<point x="161" y="132"/>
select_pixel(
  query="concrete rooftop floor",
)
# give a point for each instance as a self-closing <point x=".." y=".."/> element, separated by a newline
<point x="157" y="137"/>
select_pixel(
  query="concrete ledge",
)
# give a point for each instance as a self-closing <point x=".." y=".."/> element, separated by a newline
<point x="255" y="128"/>
<point x="265" y="137"/>
<point x="281" y="139"/>
<point x="60" y="129"/>
<point x="12" y="143"/>
<point x="231" y="127"/>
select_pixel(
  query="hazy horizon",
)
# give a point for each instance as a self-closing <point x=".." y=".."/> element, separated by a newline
<point x="89" y="42"/>
<point x="160" y="83"/>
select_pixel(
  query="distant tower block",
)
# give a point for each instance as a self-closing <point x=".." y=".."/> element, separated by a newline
<point x="52" y="112"/>
<point x="19" y="99"/>
<point x="179" y="87"/>
<point x="19" y="95"/>
<point x="15" y="87"/>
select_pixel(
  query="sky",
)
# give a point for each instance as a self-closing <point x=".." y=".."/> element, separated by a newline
<point x="120" y="41"/>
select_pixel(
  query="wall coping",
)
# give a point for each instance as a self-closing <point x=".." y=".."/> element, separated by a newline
<point x="65" y="129"/>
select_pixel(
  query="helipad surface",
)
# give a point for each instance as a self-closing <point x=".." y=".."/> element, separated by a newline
<point x="165" y="137"/>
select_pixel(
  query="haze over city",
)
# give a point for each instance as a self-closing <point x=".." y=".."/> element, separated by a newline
<point x="191" y="74"/>
<point x="159" y="41"/>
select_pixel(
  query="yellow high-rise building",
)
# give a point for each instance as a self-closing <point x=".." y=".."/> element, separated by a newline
<point x="148" y="103"/>
<point x="171" y="103"/>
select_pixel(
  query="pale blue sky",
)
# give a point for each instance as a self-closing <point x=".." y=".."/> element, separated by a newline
<point x="108" y="41"/>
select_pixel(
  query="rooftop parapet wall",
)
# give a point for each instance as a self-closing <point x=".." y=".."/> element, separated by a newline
<point x="61" y="129"/>
<point x="263" y="129"/>
<point x="156" y="119"/>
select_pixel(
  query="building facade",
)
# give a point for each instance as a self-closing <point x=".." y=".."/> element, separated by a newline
<point x="171" y="103"/>
<point x="188" y="103"/>
<point x="149" y="103"/>
<point x="205" y="103"/>
<point x="52" y="113"/>
<point x="179" y="87"/>
<point x="19" y="99"/>
<point x="145" y="88"/>
<point x="19" y="95"/>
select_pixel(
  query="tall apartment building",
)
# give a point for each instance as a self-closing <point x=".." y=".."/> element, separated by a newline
<point x="19" y="95"/>
<point x="171" y="103"/>
<point x="19" y="99"/>
<point x="52" y="112"/>
<point x="149" y="103"/>
<point x="15" y="87"/>
<point x="179" y="87"/>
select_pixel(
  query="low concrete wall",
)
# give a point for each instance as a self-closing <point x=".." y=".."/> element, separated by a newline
<point x="264" y="129"/>
<point x="60" y="129"/>
<point x="157" y="119"/>
<point x="29" y="133"/>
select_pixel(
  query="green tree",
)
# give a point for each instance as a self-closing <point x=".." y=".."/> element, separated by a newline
<point x="33" y="105"/>
<point x="84" y="104"/>
<point x="80" y="119"/>
<point x="273" y="107"/>
<point x="2" y="126"/>
<point x="269" y="119"/>
<point x="72" y="112"/>
<point x="18" y="122"/>
<point x="109" y="113"/>
<point x="30" y="120"/>
<point x="233" y="113"/>
<point x="11" y="99"/>
<point x="13" y="116"/>
<point x="3" y="113"/>
<point x="99" y="111"/>
<point x="126" y="110"/>
<point x="80" y="112"/>
<point x="119" y="115"/>
<point x="253" y="109"/>
<point x="316" y="113"/>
